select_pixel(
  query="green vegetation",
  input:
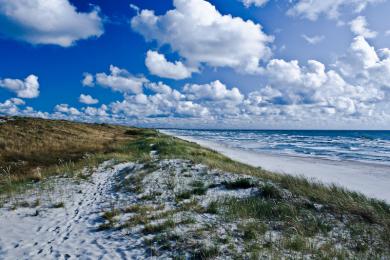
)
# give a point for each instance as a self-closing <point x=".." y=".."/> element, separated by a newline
<point x="199" y="188"/>
<point x="197" y="184"/>
<point x="140" y="209"/>
<point x="297" y="243"/>
<point x="185" y="195"/>
<point x="206" y="252"/>
<point x="270" y="191"/>
<point x="109" y="215"/>
<point x="34" y="149"/>
<point x="110" y="221"/>
<point x="199" y="191"/>
<point x="156" y="228"/>
<point x="239" y="184"/>
<point x="139" y="219"/>
<point x="335" y="198"/>
<point x="212" y="208"/>
<point x="251" y="230"/>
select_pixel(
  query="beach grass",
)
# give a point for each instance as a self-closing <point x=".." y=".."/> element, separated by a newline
<point x="334" y="197"/>
<point x="34" y="149"/>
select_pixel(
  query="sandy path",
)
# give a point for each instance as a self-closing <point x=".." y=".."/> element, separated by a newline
<point x="69" y="232"/>
<point x="370" y="179"/>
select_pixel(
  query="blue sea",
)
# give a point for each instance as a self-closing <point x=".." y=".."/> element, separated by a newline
<point x="362" y="146"/>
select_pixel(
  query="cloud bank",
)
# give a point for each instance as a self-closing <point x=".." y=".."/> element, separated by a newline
<point x="289" y="93"/>
<point x="355" y="89"/>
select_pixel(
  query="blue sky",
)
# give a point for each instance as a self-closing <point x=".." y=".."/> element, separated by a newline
<point x="198" y="63"/>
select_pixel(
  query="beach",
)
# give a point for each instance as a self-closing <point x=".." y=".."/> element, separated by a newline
<point x="372" y="180"/>
<point x="149" y="195"/>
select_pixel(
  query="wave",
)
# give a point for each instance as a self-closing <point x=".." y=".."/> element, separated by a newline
<point x="364" y="146"/>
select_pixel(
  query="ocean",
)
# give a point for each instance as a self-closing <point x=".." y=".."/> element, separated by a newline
<point x="362" y="146"/>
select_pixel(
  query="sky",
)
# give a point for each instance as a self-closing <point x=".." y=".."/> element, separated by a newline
<point x="253" y="64"/>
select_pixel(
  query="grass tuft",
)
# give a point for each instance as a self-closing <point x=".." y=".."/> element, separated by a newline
<point x="185" y="195"/>
<point x="206" y="252"/>
<point x="239" y="184"/>
<point x="109" y="215"/>
<point x="296" y="243"/>
<point x="270" y="191"/>
<point x="157" y="228"/>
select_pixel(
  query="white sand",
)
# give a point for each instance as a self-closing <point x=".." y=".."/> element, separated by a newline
<point x="370" y="179"/>
<point x="68" y="232"/>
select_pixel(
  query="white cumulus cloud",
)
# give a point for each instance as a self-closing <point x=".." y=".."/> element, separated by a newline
<point x="367" y="66"/>
<point x="189" y="108"/>
<point x="66" y="109"/>
<point x="360" y="56"/>
<point x="357" y="87"/>
<point x="159" y="66"/>
<point x="47" y="22"/>
<point x="121" y="80"/>
<point x="11" y="106"/>
<point x="202" y="35"/>
<point x="216" y="97"/>
<point x="359" y="27"/>
<point x="27" y="88"/>
<point x="88" y="80"/>
<point x="87" y="99"/>
<point x="96" y="112"/>
<point x="214" y="91"/>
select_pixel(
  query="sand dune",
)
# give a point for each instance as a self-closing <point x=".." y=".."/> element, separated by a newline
<point x="370" y="179"/>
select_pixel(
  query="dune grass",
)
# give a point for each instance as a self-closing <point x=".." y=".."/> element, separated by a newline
<point x="335" y="197"/>
<point x="32" y="149"/>
<point x="35" y="148"/>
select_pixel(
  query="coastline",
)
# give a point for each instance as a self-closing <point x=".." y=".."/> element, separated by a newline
<point x="150" y="195"/>
<point x="371" y="180"/>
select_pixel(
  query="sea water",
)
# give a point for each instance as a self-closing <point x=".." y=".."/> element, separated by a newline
<point x="363" y="146"/>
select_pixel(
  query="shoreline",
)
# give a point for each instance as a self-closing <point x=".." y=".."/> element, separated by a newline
<point x="371" y="180"/>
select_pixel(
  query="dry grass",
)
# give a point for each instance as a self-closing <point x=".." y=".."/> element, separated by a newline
<point x="31" y="149"/>
<point x="35" y="148"/>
